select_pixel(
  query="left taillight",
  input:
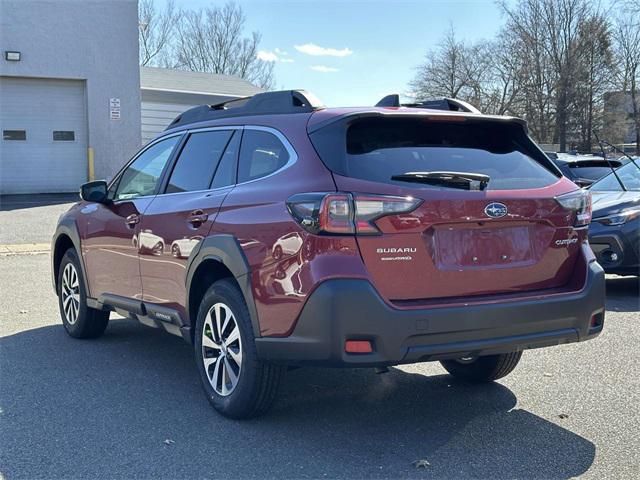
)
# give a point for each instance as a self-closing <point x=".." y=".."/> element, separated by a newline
<point x="580" y="203"/>
<point x="338" y="213"/>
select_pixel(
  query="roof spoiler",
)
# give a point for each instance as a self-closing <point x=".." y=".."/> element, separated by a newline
<point x="267" y="103"/>
<point x="449" y="104"/>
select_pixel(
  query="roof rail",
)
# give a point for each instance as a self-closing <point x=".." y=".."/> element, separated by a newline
<point x="266" y="103"/>
<point x="449" y="104"/>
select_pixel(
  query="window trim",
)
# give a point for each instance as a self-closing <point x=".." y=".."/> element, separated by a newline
<point x="293" y="155"/>
<point x="117" y="177"/>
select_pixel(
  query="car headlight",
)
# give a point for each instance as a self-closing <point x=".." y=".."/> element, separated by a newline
<point x="619" y="218"/>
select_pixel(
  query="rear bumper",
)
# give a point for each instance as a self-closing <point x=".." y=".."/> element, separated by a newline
<point x="344" y="309"/>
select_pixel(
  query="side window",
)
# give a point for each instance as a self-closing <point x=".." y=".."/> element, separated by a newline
<point x="142" y="176"/>
<point x="226" y="172"/>
<point x="261" y="153"/>
<point x="198" y="161"/>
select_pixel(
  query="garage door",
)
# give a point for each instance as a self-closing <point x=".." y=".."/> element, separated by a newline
<point x="157" y="115"/>
<point x="44" y="135"/>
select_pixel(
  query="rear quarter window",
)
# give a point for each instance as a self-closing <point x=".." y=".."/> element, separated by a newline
<point x="261" y="154"/>
<point x="375" y="149"/>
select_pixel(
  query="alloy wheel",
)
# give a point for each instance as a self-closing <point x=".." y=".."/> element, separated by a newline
<point x="222" y="349"/>
<point x="70" y="293"/>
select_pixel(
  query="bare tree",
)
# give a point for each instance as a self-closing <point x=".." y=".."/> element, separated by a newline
<point x="551" y="28"/>
<point x="627" y="58"/>
<point x="505" y="77"/>
<point x="559" y="64"/>
<point x="212" y="40"/>
<point x="443" y="73"/>
<point x="156" y="31"/>
<point x="593" y="77"/>
<point x="456" y="70"/>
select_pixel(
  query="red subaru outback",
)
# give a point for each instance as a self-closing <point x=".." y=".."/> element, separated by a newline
<point x="271" y="232"/>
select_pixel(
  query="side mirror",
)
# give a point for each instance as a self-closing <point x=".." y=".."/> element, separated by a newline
<point x="94" y="192"/>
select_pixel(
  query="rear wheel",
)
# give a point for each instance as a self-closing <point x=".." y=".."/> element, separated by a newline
<point x="483" y="369"/>
<point x="236" y="382"/>
<point x="78" y="319"/>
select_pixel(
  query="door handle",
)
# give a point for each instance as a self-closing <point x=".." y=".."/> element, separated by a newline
<point x="132" y="220"/>
<point x="197" y="218"/>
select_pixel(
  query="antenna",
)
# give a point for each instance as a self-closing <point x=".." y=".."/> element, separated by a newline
<point x="600" y="143"/>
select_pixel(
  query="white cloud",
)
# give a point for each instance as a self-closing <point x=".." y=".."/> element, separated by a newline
<point x="323" y="69"/>
<point x="267" y="56"/>
<point x="276" y="56"/>
<point x="315" y="50"/>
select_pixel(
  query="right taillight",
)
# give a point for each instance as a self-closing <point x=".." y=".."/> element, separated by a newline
<point x="339" y="213"/>
<point x="580" y="203"/>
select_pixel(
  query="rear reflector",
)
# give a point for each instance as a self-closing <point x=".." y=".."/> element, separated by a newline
<point x="358" y="346"/>
<point x="596" y="320"/>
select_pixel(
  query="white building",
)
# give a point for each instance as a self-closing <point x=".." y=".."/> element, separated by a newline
<point x="69" y="92"/>
<point x="74" y="103"/>
<point x="167" y="93"/>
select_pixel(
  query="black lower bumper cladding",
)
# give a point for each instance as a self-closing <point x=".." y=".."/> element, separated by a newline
<point x="347" y="309"/>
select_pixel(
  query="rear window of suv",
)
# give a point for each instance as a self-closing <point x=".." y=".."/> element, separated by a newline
<point x="375" y="149"/>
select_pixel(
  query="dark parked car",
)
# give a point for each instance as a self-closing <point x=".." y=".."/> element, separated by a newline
<point x="349" y="237"/>
<point x="583" y="170"/>
<point x="614" y="233"/>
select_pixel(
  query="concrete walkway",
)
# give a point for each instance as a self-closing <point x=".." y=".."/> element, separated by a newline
<point x="24" y="249"/>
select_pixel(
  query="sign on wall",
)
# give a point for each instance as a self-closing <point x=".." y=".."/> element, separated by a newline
<point x="114" y="108"/>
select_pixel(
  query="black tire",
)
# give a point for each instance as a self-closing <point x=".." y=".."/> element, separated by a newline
<point x="483" y="369"/>
<point x="158" y="249"/>
<point x="89" y="322"/>
<point x="257" y="384"/>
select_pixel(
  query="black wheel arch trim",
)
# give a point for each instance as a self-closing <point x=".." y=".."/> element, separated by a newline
<point x="225" y="249"/>
<point x="67" y="227"/>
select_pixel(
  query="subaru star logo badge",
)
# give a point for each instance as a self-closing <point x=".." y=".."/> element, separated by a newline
<point x="495" y="210"/>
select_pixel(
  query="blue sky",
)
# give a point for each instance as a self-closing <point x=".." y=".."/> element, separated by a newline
<point x="367" y="48"/>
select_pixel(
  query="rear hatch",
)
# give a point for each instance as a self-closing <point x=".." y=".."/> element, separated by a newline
<point x="465" y="237"/>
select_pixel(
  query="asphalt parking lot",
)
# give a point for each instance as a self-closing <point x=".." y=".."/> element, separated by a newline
<point x="130" y="404"/>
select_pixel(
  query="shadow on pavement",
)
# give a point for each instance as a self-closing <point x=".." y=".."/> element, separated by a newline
<point x="105" y="407"/>
<point x="623" y="294"/>
<point x="17" y="202"/>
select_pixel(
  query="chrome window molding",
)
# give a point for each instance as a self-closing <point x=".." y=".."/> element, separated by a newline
<point x="207" y="190"/>
<point x="293" y="156"/>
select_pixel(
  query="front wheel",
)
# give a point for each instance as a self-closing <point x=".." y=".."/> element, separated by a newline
<point x="236" y="382"/>
<point x="78" y="319"/>
<point x="483" y="369"/>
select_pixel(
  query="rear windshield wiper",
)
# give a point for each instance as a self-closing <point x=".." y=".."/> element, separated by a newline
<point x="454" y="179"/>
